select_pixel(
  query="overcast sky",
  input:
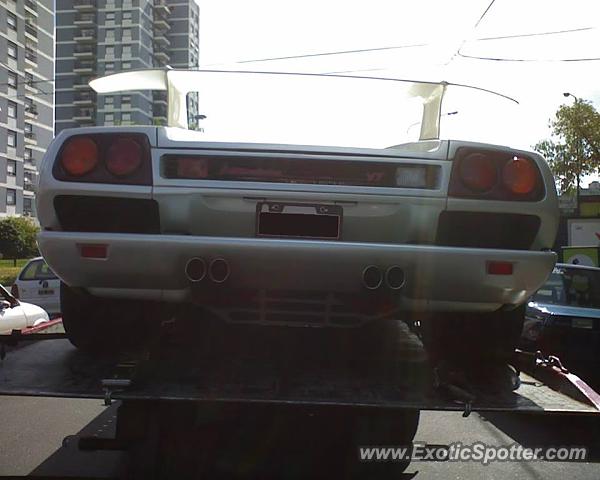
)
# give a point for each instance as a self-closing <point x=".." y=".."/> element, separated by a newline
<point x="420" y="40"/>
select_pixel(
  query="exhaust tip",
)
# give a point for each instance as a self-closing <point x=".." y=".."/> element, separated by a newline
<point x="195" y="269"/>
<point x="394" y="277"/>
<point x="372" y="277"/>
<point x="218" y="271"/>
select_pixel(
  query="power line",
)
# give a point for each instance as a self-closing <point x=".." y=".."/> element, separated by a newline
<point x="557" y="60"/>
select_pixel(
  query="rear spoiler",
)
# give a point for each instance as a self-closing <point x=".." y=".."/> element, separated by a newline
<point x="178" y="83"/>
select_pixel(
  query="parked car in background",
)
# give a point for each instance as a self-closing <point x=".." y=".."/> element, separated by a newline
<point x="16" y="315"/>
<point x="563" y="317"/>
<point x="38" y="284"/>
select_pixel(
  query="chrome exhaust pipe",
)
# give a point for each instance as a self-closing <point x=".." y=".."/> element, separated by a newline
<point x="218" y="270"/>
<point x="372" y="277"/>
<point x="195" y="269"/>
<point x="394" y="277"/>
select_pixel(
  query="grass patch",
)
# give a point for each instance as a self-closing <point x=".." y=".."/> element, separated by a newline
<point x="8" y="272"/>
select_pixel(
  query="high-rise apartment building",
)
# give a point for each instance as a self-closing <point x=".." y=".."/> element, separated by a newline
<point x="95" y="38"/>
<point x="26" y="99"/>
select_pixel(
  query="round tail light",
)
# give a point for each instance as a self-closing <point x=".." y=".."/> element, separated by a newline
<point x="79" y="156"/>
<point x="519" y="175"/>
<point x="478" y="172"/>
<point x="124" y="157"/>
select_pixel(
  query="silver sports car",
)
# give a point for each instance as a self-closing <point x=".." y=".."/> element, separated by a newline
<point x="299" y="200"/>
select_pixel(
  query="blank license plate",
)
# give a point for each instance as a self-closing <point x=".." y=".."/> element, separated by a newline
<point x="299" y="220"/>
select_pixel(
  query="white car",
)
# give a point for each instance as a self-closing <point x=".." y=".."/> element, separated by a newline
<point x="38" y="284"/>
<point x="16" y="315"/>
<point x="285" y="199"/>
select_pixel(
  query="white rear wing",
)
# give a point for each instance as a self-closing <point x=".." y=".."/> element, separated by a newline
<point x="178" y="83"/>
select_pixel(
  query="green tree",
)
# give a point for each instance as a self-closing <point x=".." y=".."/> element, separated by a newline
<point x="18" y="238"/>
<point x="574" y="149"/>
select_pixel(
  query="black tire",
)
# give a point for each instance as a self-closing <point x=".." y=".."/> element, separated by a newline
<point x="386" y="428"/>
<point x="102" y="325"/>
<point x="468" y="337"/>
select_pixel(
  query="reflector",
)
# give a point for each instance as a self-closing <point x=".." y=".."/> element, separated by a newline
<point x="500" y="268"/>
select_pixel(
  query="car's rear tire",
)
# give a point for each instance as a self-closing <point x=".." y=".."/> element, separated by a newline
<point x="468" y="337"/>
<point x="103" y="325"/>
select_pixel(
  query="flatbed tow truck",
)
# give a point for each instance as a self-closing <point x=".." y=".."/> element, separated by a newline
<point x="172" y="390"/>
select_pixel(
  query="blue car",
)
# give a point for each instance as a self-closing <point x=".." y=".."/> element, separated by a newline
<point x="563" y="317"/>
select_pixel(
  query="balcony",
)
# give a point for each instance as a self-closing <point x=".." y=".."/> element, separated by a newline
<point x="84" y="98"/>
<point x="161" y="56"/>
<point x="31" y="7"/>
<point x="30" y="54"/>
<point x="84" y="115"/>
<point x="85" y="35"/>
<point x="84" y="67"/>
<point x="161" y="8"/>
<point x="82" y="83"/>
<point x="84" y="5"/>
<point x="29" y="185"/>
<point x="31" y="110"/>
<point x="161" y="39"/>
<point x="161" y="24"/>
<point x="31" y="29"/>
<point x="85" y="19"/>
<point x="30" y="137"/>
<point x="86" y="50"/>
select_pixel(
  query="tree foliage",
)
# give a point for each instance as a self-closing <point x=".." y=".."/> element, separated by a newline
<point x="574" y="149"/>
<point x="18" y="237"/>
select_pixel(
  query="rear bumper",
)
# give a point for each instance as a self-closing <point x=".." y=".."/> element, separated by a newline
<point x="437" y="278"/>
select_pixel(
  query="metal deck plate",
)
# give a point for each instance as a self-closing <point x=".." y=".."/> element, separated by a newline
<point x="284" y="366"/>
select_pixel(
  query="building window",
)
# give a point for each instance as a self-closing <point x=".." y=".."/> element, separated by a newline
<point x="126" y="66"/>
<point x="110" y="16"/>
<point x="109" y="118"/>
<point x="11" y="168"/>
<point x="110" y="34"/>
<point x="126" y="15"/>
<point x="12" y="49"/>
<point x="109" y="66"/>
<point x="27" y="205"/>
<point x="11" y="21"/>
<point x="12" y="79"/>
<point x="11" y="139"/>
<point x="11" y="196"/>
<point x="126" y="101"/>
<point x="28" y="128"/>
<point x="127" y="33"/>
<point x="110" y="51"/>
<point x="126" y="51"/>
<point x="12" y="109"/>
<point x="109" y="100"/>
<point x="126" y="117"/>
<point x="27" y="154"/>
<point x="29" y="78"/>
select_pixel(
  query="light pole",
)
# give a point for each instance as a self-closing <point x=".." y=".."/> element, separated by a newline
<point x="579" y="153"/>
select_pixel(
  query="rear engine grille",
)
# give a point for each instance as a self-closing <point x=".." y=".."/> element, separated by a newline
<point x="301" y="170"/>
<point x="107" y="214"/>
<point x="487" y="230"/>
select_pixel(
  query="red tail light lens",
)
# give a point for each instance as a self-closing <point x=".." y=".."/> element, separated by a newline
<point x="124" y="157"/>
<point x="79" y="156"/>
<point x="478" y="172"/>
<point x="520" y="176"/>
<point x="14" y="290"/>
<point x="495" y="174"/>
